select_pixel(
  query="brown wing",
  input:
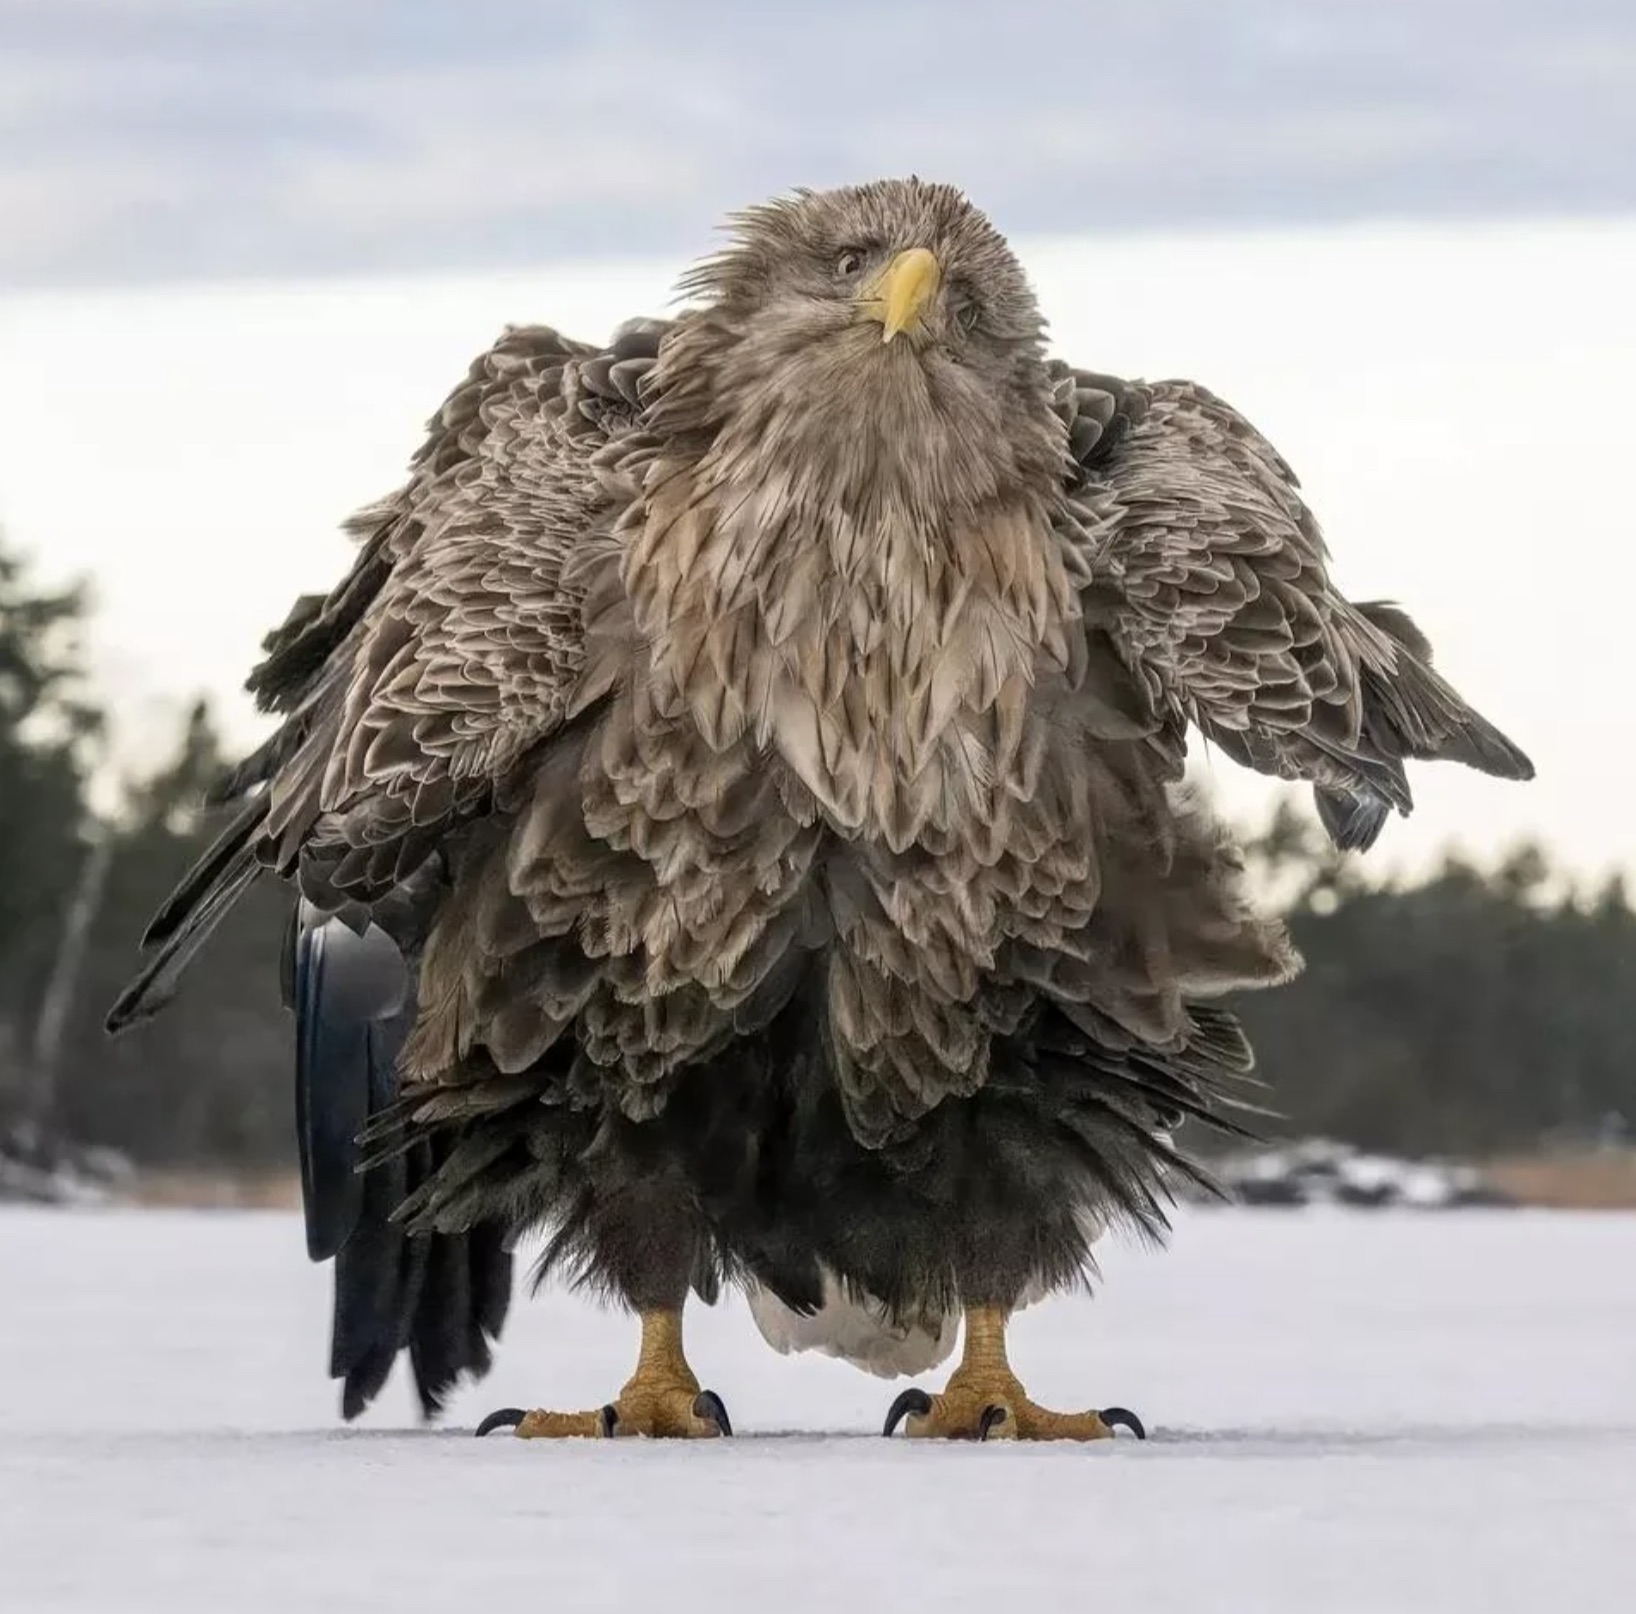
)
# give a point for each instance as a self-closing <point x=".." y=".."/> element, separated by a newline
<point x="1210" y="576"/>
<point x="454" y="644"/>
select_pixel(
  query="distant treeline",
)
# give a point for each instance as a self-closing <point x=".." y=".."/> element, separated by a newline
<point x="1473" y="1013"/>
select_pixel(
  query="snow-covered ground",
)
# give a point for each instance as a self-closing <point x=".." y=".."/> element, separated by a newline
<point x="1387" y="1414"/>
<point x="1317" y="1171"/>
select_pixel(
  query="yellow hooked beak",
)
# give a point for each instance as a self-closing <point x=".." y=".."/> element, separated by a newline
<point x="900" y="295"/>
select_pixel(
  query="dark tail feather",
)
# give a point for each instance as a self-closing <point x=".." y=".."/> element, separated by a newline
<point x="441" y="1297"/>
<point x="370" y="1268"/>
<point x="349" y="996"/>
<point x="462" y="1309"/>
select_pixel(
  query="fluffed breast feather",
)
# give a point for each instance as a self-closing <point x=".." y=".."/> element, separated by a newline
<point x="1209" y="576"/>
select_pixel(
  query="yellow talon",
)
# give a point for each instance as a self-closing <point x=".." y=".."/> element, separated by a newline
<point x="662" y="1398"/>
<point x="984" y="1399"/>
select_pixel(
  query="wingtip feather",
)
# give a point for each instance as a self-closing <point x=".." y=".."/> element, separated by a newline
<point x="1353" y="820"/>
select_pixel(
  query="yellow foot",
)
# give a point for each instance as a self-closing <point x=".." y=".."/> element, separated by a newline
<point x="1000" y="1411"/>
<point x="984" y="1400"/>
<point x="676" y="1412"/>
<point x="662" y="1399"/>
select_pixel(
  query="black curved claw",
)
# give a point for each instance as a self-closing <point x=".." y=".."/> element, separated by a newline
<point x="707" y="1404"/>
<point x="610" y="1421"/>
<point x="992" y="1418"/>
<point x="1123" y="1418"/>
<point x="916" y="1402"/>
<point x="501" y="1418"/>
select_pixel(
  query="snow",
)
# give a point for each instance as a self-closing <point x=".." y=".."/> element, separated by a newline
<point x="1380" y="1413"/>
<point x="1319" y="1171"/>
<point x="38" y="1169"/>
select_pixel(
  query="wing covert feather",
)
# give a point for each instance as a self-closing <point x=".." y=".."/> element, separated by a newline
<point x="457" y="642"/>
<point x="1210" y="575"/>
<point x="454" y="644"/>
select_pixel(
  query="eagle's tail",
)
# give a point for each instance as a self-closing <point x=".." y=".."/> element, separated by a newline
<point x="856" y="1329"/>
<point x="441" y="1297"/>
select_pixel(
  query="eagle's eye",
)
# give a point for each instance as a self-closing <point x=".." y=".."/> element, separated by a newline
<point x="849" y="263"/>
<point x="967" y="313"/>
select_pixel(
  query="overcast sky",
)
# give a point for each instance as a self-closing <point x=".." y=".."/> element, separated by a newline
<point x="148" y="139"/>
<point x="247" y="245"/>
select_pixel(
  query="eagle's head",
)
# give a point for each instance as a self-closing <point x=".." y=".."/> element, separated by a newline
<point x="883" y="338"/>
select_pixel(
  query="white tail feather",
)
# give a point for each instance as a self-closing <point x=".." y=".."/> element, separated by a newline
<point x="856" y="1331"/>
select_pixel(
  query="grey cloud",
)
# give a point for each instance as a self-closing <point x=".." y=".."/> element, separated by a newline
<point x="148" y="139"/>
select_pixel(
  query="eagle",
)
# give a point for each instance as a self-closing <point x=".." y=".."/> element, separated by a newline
<point x="735" y="806"/>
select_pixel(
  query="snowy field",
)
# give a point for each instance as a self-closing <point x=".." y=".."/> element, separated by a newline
<point x="1385" y="1413"/>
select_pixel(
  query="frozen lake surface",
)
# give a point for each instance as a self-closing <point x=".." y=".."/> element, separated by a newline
<point x="1352" y="1413"/>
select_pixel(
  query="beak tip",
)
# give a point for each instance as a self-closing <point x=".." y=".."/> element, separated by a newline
<point x="898" y="299"/>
